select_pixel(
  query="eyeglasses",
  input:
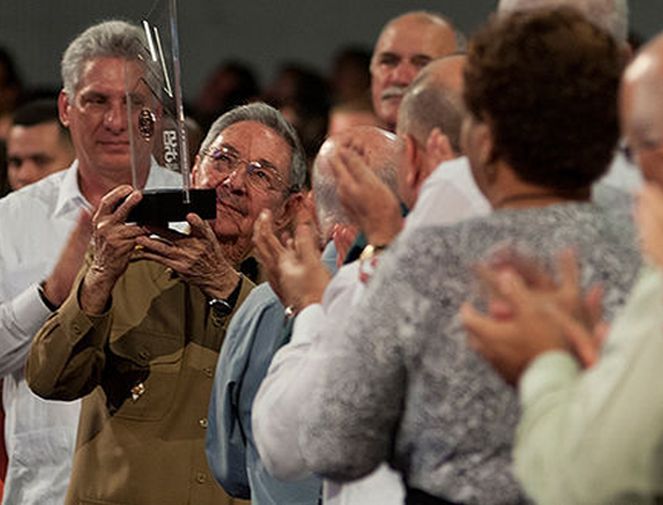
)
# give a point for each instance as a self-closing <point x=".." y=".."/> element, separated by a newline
<point x="260" y="175"/>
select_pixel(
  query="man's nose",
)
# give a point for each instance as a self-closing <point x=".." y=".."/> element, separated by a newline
<point x="236" y="180"/>
<point x="115" y="117"/>
<point x="404" y="73"/>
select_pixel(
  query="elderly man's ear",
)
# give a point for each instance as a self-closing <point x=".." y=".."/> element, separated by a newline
<point x="423" y="162"/>
<point x="294" y="210"/>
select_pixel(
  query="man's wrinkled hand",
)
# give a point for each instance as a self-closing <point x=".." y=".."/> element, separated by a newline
<point x="365" y="198"/>
<point x="531" y="313"/>
<point x="303" y="277"/>
<point x="197" y="257"/>
<point x="113" y="243"/>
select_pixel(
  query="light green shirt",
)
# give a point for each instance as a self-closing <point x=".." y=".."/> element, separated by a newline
<point x="594" y="437"/>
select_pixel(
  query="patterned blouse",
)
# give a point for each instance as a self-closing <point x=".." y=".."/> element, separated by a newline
<point x="398" y="381"/>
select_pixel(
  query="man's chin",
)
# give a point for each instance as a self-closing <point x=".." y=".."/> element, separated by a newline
<point x="226" y="230"/>
<point x="389" y="111"/>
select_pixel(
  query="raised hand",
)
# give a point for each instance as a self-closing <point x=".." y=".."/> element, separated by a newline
<point x="197" y="258"/>
<point x="58" y="284"/>
<point x="535" y="317"/>
<point x="343" y="236"/>
<point x="295" y="272"/>
<point x="366" y="199"/>
<point x="113" y="243"/>
<point x="303" y="277"/>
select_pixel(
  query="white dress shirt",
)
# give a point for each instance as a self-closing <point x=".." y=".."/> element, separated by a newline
<point x="275" y="415"/>
<point x="35" y="223"/>
<point x="450" y="195"/>
<point x="595" y="437"/>
<point x="447" y="196"/>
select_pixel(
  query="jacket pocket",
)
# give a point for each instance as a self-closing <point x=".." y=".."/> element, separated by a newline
<point x="141" y="375"/>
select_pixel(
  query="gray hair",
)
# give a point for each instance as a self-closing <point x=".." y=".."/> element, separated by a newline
<point x="273" y="119"/>
<point x="428" y="105"/>
<point x="109" y="39"/>
<point x="385" y="164"/>
<point x="610" y="15"/>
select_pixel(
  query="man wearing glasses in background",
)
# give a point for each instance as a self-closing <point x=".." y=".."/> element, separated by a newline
<point x="140" y="334"/>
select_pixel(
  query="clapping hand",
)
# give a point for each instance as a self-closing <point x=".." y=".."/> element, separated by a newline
<point x="294" y="270"/>
<point x="197" y="257"/>
<point x="534" y="314"/>
<point x="365" y="198"/>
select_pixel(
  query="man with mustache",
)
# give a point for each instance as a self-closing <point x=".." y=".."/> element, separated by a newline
<point x="405" y="45"/>
<point x="38" y="262"/>
<point x="140" y="333"/>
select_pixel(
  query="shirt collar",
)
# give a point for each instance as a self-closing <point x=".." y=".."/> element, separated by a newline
<point x="70" y="195"/>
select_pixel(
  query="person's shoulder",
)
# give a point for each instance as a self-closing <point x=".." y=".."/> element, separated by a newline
<point x="260" y="300"/>
<point x="252" y="316"/>
<point x="261" y="297"/>
<point x="42" y="194"/>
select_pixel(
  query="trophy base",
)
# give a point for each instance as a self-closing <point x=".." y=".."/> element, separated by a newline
<point x="159" y="207"/>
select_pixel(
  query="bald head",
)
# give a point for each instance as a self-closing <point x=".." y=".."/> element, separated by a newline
<point x="641" y="108"/>
<point x="434" y="100"/>
<point x="382" y="151"/>
<point x="405" y="45"/>
<point x="610" y="15"/>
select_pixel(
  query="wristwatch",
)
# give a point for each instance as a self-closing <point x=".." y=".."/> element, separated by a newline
<point x="224" y="306"/>
<point x="368" y="261"/>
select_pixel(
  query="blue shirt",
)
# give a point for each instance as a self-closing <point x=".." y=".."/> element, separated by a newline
<point x="253" y="337"/>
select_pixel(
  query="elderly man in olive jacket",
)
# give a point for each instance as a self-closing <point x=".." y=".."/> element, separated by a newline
<point x="139" y="335"/>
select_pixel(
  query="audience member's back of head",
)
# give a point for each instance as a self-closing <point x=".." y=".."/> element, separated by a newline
<point x="546" y="84"/>
<point x="380" y="150"/>
<point x="610" y="15"/>
<point x="434" y="100"/>
<point x="11" y="85"/>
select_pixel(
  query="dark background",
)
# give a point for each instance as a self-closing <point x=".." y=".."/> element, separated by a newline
<point x="260" y="32"/>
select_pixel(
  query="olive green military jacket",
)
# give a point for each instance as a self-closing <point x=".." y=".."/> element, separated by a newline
<point x="145" y="368"/>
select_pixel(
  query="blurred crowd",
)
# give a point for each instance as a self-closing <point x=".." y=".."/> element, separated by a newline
<point x="433" y="276"/>
<point x="316" y="104"/>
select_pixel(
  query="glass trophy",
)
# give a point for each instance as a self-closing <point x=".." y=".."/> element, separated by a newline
<point x="157" y="133"/>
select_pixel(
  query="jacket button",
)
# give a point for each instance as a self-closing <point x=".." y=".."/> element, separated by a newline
<point x="202" y="422"/>
<point x="201" y="478"/>
<point x="144" y="355"/>
<point x="208" y="371"/>
<point x="76" y="328"/>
